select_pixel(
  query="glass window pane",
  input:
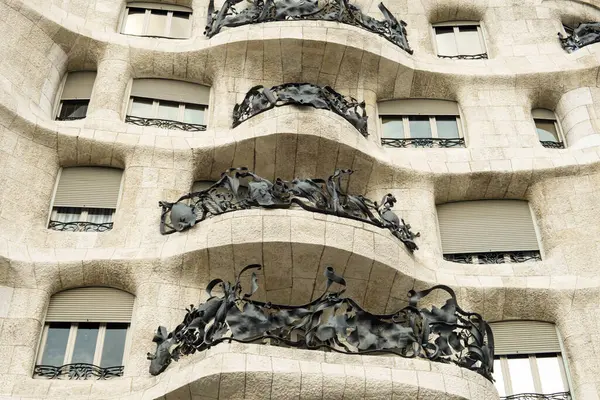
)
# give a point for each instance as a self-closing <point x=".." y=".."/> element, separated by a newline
<point x="73" y="109"/>
<point x="114" y="345"/>
<point x="56" y="344"/>
<point x="550" y="375"/>
<point x="546" y="130"/>
<point x="468" y="41"/>
<point x="446" y="44"/>
<point x="168" y="110"/>
<point x="180" y="25"/>
<point x="134" y="21"/>
<point x="419" y="127"/>
<point x="393" y="128"/>
<point x="447" y="127"/>
<point x="157" y="25"/>
<point x="521" y="376"/>
<point x="85" y="343"/>
<point x="100" y="215"/>
<point x="142" y="108"/>
<point x="499" y="384"/>
<point x="194" y="114"/>
<point x="68" y="214"/>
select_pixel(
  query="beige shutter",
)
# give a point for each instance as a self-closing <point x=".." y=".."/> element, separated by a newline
<point x="78" y="85"/>
<point x="542" y="113"/>
<point x="524" y="337"/>
<point x="158" y="6"/>
<point x="168" y="89"/>
<point x="89" y="187"/>
<point x="90" y="304"/>
<point x="418" y="107"/>
<point x="486" y="226"/>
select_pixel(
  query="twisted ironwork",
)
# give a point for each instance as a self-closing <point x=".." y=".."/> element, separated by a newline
<point x="80" y="226"/>
<point x="482" y="56"/>
<point x="423" y="142"/>
<point x="320" y="10"/>
<point x="580" y="36"/>
<point x="447" y="334"/>
<point x="77" y="371"/>
<point x="539" y="396"/>
<point x="240" y="189"/>
<point x="552" y="145"/>
<point x="164" y="123"/>
<point x="494" y="257"/>
<point x="260" y="99"/>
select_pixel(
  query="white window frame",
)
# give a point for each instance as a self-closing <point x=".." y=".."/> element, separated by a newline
<point x="169" y="8"/>
<point x="73" y="336"/>
<point x="155" y="104"/>
<point x="535" y="373"/>
<point x="432" y="125"/>
<point x="83" y="214"/>
<point x="559" y="132"/>
<point x="456" y="25"/>
<point x="61" y="103"/>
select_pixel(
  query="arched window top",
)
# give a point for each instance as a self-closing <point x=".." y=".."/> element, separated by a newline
<point x="90" y="304"/>
<point x="543" y="113"/>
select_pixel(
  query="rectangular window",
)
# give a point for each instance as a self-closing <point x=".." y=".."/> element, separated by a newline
<point x="459" y="40"/>
<point x="72" y="109"/>
<point x="75" y="96"/>
<point x="547" y="130"/>
<point x="157" y="20"/>
<point x="167" y="110"/>
<point x="408" y="130"/>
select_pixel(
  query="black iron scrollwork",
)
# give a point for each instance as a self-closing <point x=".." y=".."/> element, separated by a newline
<point x="582" y="35"/>
<point x="494" y="257"/>
<point x="69" y="118"/>
<point x="164" y="123"/>
<point x="77" y="371"/>
<point x="447" y="334"/>
<point x="482" y="56"/>
<point x="552" y="145"/>
<point x="79" y="226"/>
<point x="321" y="10"/>
<point x="423" y="142"/>
<point x="240" y="189"/>
<point x="538" y="396"/>
<point x="260" y="99"/>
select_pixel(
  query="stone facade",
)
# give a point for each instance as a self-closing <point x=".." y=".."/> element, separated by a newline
<point x="527" y="68"/>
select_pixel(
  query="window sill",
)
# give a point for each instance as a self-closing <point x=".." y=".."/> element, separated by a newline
<point x="552" y="145"/>
<point x="494" y="258"/>
<point x="79" y="226"/>
<point x="164" y="123"/>
<point x="78" y="371"/>
<point x="155" y="36"/>
<point x="482" y="56"/>
<point x="538" y="396"/>
<point x="423" y="142"/>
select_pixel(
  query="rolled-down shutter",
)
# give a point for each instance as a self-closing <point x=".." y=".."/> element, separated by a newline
<point x="89" y="187"/>
<point x="524" y="337"/>
<point x="542" y="113"/>
<point x="418" y="107"/>
<point x="168" y="89"/>
<point x="90" y="304"/>
<point x="79" y="85"/>
<point x="486" y="226"/>
<point x="158" y="6"/>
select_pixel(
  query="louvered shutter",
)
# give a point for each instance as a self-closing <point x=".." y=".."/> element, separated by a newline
<point x="418" y="107"/>
<point x="168" y="89"/>
<point x="159" y="6"/>
<point x="90" y="304"/>
<point x="88" y="187"/>
<point x="79" y="85"/>
<point x="542" y="113"/>
<point x="486" y="226"/>
<point x="524" y="337"/>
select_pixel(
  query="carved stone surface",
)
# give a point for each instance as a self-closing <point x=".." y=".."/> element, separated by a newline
<point x="260" y="99"/>
<point x="321" y="10"/>
<point x="240" y="189"/>
<point x="77" y="226"/>
<point x="164" y="123"/>
<point x="423" y="142"/>
<point x="77" y="371"/>
<point x="447" y="334"/>
<point x="581" y="36"/>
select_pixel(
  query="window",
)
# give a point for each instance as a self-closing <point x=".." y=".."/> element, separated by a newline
<point x="85" y="334"/>
<point x="528" y="359"/>
<point x="76" y="95"/>
<point x="159" y="20"/>
<point x="547" y="128"/>
<point x="488" y="232"/>
<point x="459" y="40"/>
<point x="85" y="199"/>
<point x="168" y="104"/>
<point x="420" y="123"/>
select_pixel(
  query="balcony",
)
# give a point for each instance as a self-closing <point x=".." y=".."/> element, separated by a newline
<point x="494" y="258"/>
<point x="423" y="142"/>
<point x="164" y="123"/>
<point x="79" y="226"/>
<point x="77" y="371"/>
<point x="538" y="396"/>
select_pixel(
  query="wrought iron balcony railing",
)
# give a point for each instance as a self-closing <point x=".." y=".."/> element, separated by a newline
<point x="445" y="334"/>
<point x="538" y="396"/>
<point x="494" y="258"/>
<point x="164" y="123"/>
<point x="77" y="371"/>
<point x="482" y="56"/>
<point x="580" y="36"/>
<point x="552" y="145"/>
<point x="423" y="142"/>
<point x="80" y="226"/>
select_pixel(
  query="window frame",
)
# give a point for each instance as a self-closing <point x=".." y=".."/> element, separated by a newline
<point x="156" y="104"/>
<point x="432" y="125"/>
<point x="535" y="373"/>
<point x="148" y="7"/>
<point x="554" y="120"/>
<point x="456" y="31"/>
